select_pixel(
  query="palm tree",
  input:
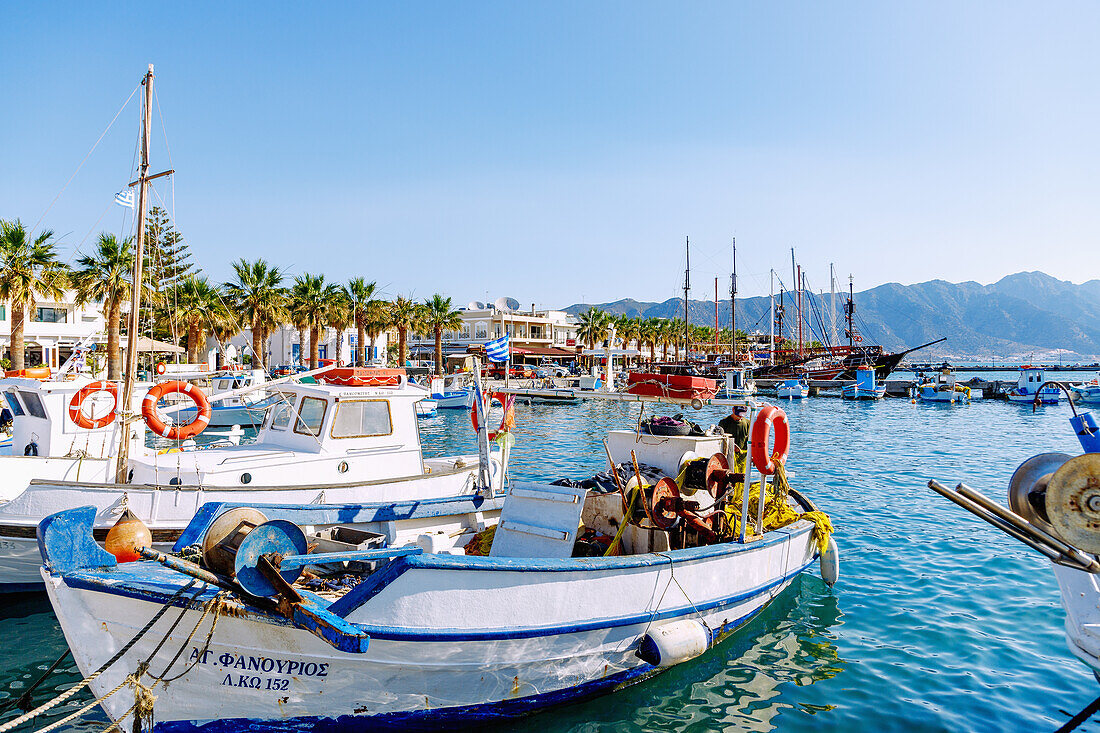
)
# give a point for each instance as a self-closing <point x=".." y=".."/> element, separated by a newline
<point x="592" y="326"/>
<point x="669" y="335"/>
<point x="360" y="295"/>
<point x="375" y="320"/>
<point x="339" y="317"/>
<point x="440" y="314"/>
<point x="196" y="304"/>
<point x="629" y="329"/>
<point x="309" y="305"/>
<point x="404" y="316"/>
<point x="105" y="277"/>
<point x="649" y="335"/>
<point x="27" y="267"/>
<point x="257" y="296"/>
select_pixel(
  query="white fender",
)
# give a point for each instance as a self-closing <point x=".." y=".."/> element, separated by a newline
<point x="830" y="563"/>
<point x="674" y="642"/>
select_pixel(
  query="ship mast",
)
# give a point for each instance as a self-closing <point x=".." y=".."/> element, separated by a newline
<point x="733" y="304"/>
<point x="849" y="312"/>
<point x="687" y="287"/>
<point x="134" y="322"/>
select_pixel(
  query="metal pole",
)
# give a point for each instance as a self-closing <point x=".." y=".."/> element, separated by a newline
<point x="748" y="477"/>
<point x="771" y="317"/>
<point x="733" y="302"/>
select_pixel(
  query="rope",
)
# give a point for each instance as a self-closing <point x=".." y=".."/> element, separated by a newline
<point x="24" y="700"/>
<point x="106" y="665"/>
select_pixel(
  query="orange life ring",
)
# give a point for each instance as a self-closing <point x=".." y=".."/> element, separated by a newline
<point x="161" y="367"/>
<point x="77" y="415"/>
<point x="499" y="397"/>
<point x="770" y="416"/>
<point x="176" y="432"/>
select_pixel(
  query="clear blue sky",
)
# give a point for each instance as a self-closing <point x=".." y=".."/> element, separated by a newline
<point x="554" y="151"/>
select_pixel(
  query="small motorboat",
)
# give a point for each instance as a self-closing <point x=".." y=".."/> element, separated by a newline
<point x="793" y="389"/>
<point x="943" y="388"/>
<point x="449" y="396"/>
<point x="246" y="410"/>
<point x="670" y="386"/>
<point x="865" y="387"/>
<point x="427" y="408"/>
<point x="1087" y="393"/>
<point x="738" y="384"/>
<point x="1029" y="386"/>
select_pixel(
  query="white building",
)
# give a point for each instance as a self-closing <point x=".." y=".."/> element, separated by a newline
<point x="535" y="333"/>
<point x="283" y="346"/>
<point x="53" y="328"/>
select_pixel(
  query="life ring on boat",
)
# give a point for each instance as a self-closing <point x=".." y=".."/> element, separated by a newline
<point x="161" y="367"/>
<point x="768" y="418"/>
<point x="176" y="432"/>
<point x="499" y="397"/>
<point x="76" y="414"/>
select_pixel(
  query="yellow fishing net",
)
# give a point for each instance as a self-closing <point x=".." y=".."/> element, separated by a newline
<point x="777" y="511"/>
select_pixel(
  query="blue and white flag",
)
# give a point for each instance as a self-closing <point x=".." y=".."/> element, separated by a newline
<point x="498" y="349"/>
<point x="125" y="198"/>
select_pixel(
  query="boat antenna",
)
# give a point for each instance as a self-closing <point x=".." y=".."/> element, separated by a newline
<point x="134" y="323"/>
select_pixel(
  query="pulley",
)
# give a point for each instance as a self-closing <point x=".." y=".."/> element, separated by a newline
<point x="1073" y="502"/>
<point x="268" y="543"/>
<point x="1028" y="485"/>
<point x="224" y="537"/>
<point x="664" y="503"/>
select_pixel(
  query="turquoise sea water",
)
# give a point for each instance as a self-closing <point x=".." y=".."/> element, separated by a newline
<point x="938" y="623"/>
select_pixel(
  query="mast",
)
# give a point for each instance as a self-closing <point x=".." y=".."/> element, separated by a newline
<point x="687" y="287"/>
<point x="771" y="318"/>
<point x="849" y="312"/>
<point x="798" y="301"/>
<point x="779" y="312"/>
<point x="733" y="304"/>
<point x="132" y="335"/>
<point x="716" y="316"/>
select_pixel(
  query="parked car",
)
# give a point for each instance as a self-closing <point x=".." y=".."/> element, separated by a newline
<point x="552" y="369"/>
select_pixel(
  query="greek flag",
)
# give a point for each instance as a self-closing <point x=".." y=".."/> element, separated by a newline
<point x="125" y="198"/>
<point x="498" y="349"/>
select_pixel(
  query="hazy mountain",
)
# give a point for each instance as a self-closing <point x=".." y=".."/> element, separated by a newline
<point x="1029" y="313"/>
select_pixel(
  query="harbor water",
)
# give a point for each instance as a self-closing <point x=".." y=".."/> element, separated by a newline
<point x="938" y="623"/>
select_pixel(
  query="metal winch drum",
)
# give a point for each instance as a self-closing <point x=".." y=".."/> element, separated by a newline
<point x="1060" y="494"/>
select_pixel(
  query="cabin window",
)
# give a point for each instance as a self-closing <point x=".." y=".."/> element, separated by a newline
<point x="282" y="412"/>
<point x="362" y="419"/>
<point x="34" y="404"/>
<point x="310" y="416"/>
<point x="13" y="403"/>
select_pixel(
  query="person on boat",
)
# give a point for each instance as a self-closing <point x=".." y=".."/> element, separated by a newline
<point x="737" y="425"/>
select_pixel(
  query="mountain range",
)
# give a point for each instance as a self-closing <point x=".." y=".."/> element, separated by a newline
<point x="1029" y="315"/>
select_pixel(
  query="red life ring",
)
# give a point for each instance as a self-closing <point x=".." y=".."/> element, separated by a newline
<point x="770" y="416"/>
<point x="176" y="432"/>
<point x="161" y="367"/>
<point x="499" y="397"/>
<point x="77" y="415"/>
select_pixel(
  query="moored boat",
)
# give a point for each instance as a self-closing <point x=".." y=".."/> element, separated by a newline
<point x="1087" y="392"/>
<point x="943" y="387"/>
<point x="865" y="387"/>
<point x="792" y="389"/>
<point x="1029" y="388"/>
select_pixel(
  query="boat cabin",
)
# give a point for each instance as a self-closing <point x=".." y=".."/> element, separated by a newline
<point x="1030" y="379"/>
<point x="312" y="433"/>
<point x="230" y="381"/>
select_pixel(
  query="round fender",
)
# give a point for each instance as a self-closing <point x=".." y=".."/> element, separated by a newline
<point x="830" y="563"/>
<point x="769" y="419"/>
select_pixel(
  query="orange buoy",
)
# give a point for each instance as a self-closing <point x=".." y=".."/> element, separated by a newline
<point x="127" y="537"/>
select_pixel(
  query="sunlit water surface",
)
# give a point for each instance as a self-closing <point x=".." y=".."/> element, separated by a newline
<point x="938" y="622"/>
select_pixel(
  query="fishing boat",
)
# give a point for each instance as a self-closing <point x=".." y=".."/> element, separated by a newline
<point x="431" y="636"/>
<point x="792" y="389"/>
<point x="245" y="408"/>
<point x="943" y="388"/>
<point x="670" y="386"/>
<point x="426" y="408"/>
<point x="1029" y="388"/>
<point x="1087" y="392"/>
<point x="448" y="395"/>
<point x="1054" y="509"/>
<point x="865" y="387"/>
<point x="737" y="383"/>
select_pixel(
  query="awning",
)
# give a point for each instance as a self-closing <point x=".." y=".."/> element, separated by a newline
<point x="147" y="345"/>
<point x="543" y="351"/>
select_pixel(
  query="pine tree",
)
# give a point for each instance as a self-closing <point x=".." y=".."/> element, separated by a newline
<point x="167" y="264"/>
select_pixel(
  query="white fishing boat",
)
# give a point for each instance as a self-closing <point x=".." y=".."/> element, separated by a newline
<point x="1087" y="393"/>
<point x="319" y="443"/>
<point x="426" y="408"/>
<point x="792" y="389"/>
<point x="1030" y="385"/>
<point x="450" y="394"/>
<point x="943" y="387"/>
<point x="1054" y="508"/>
<point x="738" y="384"/>
<point x="865" y="387"/>
<point x="430" y="636"/>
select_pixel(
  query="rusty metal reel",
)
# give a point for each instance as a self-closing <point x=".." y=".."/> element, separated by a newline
<point x="717" y="475"/>
<point x="663" y="502"/>
<point x="1073" y="502"/>
<point x="1027" y="488"/>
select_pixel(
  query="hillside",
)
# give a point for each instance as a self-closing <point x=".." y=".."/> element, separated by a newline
<point x="1021" y="316"/>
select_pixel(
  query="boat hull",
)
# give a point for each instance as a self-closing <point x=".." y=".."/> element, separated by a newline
<point x="451" y="639"/>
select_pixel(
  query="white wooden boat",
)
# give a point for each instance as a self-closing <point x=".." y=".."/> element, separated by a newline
<point x="430" y="637"/>
<point x="943" y="387"/>
<point x="865" y="387"/>
<point x="792" y="389"/>
<point x="1030" y="384"/>
<point x="1087" y="393"/>
<point x="245" y="409"/>
<point x="319" y="444"/>
<point x="450" y="394"/>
